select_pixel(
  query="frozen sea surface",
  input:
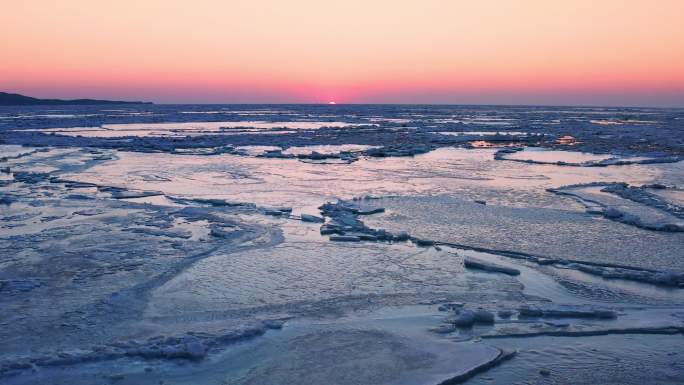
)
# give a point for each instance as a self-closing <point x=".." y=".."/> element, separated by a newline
<point x="350" y="245"/>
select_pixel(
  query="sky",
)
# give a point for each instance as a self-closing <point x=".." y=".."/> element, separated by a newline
<point x="574" y="52"/>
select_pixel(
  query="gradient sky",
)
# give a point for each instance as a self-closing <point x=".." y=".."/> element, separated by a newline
<point x="598" y="52"/>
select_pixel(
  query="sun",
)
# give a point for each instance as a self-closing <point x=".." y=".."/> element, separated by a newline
<point x="332" y="102"/>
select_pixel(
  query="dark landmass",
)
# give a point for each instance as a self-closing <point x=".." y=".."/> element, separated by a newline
<point x="7" y="99"/>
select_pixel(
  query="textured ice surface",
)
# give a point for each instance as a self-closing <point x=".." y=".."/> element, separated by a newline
<point x="326" y="149"/>
<point x="190" y="259"/>
<point x="181" y="129"/>
<point x="635" y="206"/>
<point x="548" y="232"/>
<point x="471" y="174"/>
<point x="600" y="360"/>
<point x="549" y="156"/>
<point x="300" y="272"/>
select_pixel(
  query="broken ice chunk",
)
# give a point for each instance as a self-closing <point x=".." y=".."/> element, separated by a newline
<point x="471" y="263"/>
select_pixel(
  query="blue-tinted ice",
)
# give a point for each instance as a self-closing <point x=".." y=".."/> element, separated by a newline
<point x="349" y="245"/>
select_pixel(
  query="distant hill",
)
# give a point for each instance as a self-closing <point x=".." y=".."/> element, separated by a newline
<point x="7" y="99"/>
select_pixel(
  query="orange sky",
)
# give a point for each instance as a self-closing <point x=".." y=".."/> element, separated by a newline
<point x="426" y="51"/>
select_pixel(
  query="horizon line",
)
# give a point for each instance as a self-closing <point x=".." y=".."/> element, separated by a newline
<point x="417" y="104"/>
<point x="333" y="103"/>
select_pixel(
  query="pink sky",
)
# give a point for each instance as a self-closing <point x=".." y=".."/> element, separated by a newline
<point x="604" y="52"/>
